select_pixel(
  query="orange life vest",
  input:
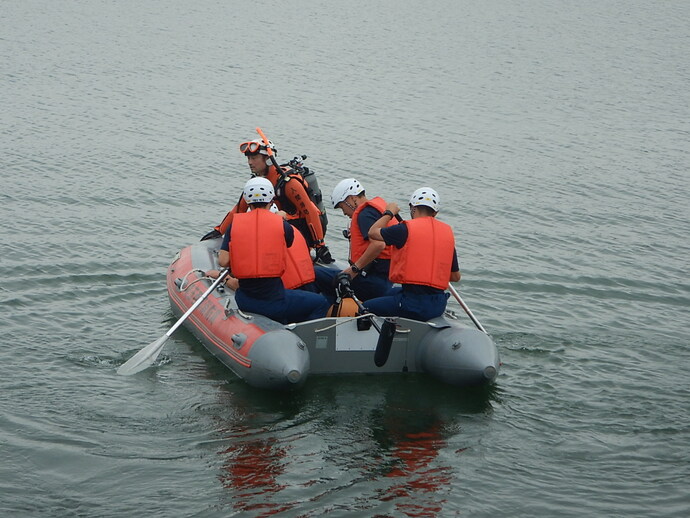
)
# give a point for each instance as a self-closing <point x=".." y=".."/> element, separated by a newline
<point x="358" y="244"/>
<point x="293" y="199"/>
<point x="257" y="245"/>
<point x="427" y="256"/>
<point x="299" y="269"/>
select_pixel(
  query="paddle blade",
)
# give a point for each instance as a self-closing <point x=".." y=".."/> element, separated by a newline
<point x="383" y="346"/>
<point x="144" y="358"/>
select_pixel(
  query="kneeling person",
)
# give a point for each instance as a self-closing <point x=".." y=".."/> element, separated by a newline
<point x="255" y="247"/>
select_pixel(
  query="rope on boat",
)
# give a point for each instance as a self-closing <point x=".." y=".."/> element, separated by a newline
<point x="184" y="287"/>
<point x="236" y="309"/>
<point x="349" y="319"/>
<point x="451" y="314"/>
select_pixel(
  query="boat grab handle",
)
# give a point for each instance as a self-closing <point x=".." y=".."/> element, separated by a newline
<point x="182" y="286"/>
<point x="229" y="310"/>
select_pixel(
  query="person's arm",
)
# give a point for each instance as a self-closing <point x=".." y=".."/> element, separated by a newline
<point x="227" y="220"/>
<point x="391" y="211"/>
<point x="372" y="252"/>
<point x="289" y="233"/>
<point x="224" y="252"/>
<point x="365" y="220"/>
<point x="455" y="268"/>
<point x="297" y="194"/>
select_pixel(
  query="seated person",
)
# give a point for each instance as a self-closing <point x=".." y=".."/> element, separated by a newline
<point x="255" y="246"/>
<point x="423" y="259"/>
<point x="369" y="259"/>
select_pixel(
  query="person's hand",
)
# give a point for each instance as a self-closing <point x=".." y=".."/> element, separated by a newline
<point x="349" y="271"/>
<point x="213" y="234"/>
<point x="342" y="285"/>
<point x="323" y="255"/>
<point x="232" y="283"/>
<point x="393" y="207"/>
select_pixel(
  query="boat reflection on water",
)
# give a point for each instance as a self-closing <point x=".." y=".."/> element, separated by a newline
<point x="251" y="468"/>
<point x="416" y="478"/>
<point x="367" y="444"/>
<point x="418" y="422"/>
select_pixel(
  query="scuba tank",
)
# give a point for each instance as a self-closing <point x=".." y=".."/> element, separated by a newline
<point x="311" y="184"/>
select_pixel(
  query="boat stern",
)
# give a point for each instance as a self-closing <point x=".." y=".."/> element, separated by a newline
<point x="279" y="360"/>
<point x="459" y="356"/>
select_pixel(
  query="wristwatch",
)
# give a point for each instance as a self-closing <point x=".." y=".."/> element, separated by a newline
<point x="388" y="213"/>
<point x="354" y="268"/>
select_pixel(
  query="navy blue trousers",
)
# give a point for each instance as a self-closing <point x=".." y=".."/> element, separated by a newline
<point x="292" y="306"/>
<point x="408" y="305"/>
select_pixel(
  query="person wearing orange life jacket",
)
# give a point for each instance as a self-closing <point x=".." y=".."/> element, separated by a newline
<point x="423" y="259"/>
<point x="369" y="259"/>
<point x="299" y="268"/>
<point x="292" y="198"/>
<point x="255" y="247"/>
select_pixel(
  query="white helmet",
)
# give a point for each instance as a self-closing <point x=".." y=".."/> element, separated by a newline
<point x="345" y="188"/>
<point x="426" y="196"/>
<point x="257" y="146"/>
<point x="258" y="190"/>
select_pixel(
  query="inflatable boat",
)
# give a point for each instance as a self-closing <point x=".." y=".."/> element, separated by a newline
<point x="271" y="355"/>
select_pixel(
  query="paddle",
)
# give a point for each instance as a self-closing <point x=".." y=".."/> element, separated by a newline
<point x="386" y="332"/>
<point x="145" y="358"/>
<point x="381" y="354"/>
<point x="455" y="293"/>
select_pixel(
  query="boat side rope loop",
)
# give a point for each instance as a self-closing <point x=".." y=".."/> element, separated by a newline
<point x="345" y="321"/>
<point x="184" y="287"/>
<point x="350" y="319"/>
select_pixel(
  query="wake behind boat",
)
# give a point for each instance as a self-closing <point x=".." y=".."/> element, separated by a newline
<point x="268" y="354"/>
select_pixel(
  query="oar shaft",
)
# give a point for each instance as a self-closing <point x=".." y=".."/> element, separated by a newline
<point x="386" y="335"/>
<point x="146" y="356"/>
<point x="466" y="308"/>
<point x="458" y="298"/>
<point x="213" y="286"/>
<point x="364" y="311"/>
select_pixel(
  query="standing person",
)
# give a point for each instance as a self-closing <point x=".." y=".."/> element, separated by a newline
<point x="423" y="259"/>
<point x="255" y="246"/>
<point x="292" y="198"/>
<point x="369" y="259"/>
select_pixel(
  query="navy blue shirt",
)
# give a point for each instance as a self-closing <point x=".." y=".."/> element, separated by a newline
<point x="396" y="235"/>
<point x="365" y="219"/>
<point x="265" y="288"/>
